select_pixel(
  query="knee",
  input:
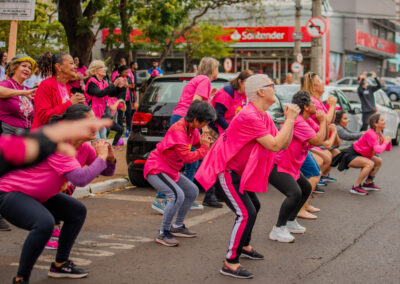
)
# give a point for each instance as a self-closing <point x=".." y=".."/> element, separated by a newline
<point x="193" y="193"/>
<point x="378" y="162"/>
<point x="370" y="165"/>
<point x="179" y="198"/>
<point x="296" y="195"/>
<point x="81" y="211"/>
<point x="45" y="226"/>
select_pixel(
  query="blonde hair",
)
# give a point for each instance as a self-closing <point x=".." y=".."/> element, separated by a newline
<point x="207" y="66"/>
<point x="308" y="83"/>
<point x="94" y="65"/>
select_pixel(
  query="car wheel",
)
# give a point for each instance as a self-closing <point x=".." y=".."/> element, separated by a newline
<point x="137" y="178"/>
<point x="393" y="97"/>
<point x="396" y="140"/>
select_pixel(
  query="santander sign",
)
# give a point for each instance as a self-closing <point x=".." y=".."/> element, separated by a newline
<point x="258" y="36"/>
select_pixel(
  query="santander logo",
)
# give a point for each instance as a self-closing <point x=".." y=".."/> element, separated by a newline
<point x="257" y="35"/>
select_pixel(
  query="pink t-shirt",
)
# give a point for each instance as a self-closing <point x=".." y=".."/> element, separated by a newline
<point x="233" y="105"/>
<point x="13" y="149"/>
<point x="47" y="179"/>
<point x="290" y="160"/>
<point x="199" y="85"/>
<point x="371" y="143"/>
<point x="82" y="72"/>
<point x="165" y="160"/>
<point x="63" y="92"/>
<point x="16" y="111"/>
<point x="318" y="106"/>
<point x="237" y="149"/>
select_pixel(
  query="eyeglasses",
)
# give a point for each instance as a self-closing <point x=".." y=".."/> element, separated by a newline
<point x="269" y="86"/>
<point x="102" y="67"/>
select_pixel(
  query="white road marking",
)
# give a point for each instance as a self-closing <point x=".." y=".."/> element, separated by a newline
<point x="193" y="221"/>
<point x="116" y="237"/>
<point x="127" y="197"/>
<point x="91" y="252"/>
<point x="36" y="266"/>
<point x="109" y="245"/>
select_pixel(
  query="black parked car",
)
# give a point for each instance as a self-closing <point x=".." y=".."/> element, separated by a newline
<point x="151" y="121"/>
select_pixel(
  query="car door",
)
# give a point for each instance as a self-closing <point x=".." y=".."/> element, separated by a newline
<point x="354" y="123"/>
<point x="390" y="115"/>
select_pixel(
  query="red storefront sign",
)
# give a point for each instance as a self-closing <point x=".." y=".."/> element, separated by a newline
<point x="373" y="42"/>
<point x="241" y="34"/>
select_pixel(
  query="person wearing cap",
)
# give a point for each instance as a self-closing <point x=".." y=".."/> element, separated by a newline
<point x="240" y="162"/>
<point x="16" y="111"/>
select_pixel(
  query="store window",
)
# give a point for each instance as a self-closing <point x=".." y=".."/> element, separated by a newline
<point x="390" y="36"/>
<point x="375" y="30"/>
<point x="350" y="69"/>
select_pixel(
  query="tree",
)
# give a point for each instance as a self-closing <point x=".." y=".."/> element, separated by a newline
<point x="165" y="21"/>
<point x="44" y="33"/>
<point x="205" y="40"/>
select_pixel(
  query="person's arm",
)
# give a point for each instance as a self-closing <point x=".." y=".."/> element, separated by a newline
<point x="330" y="117"/>
<point x="331" y="140"/>
<point x="378" y="83"/>
<point x="95" y="91"/>
<point x="284" y="136"/>
<point x="6" y="93"/>
<point x="348" y="135"/>
<point x="319" y="138"/>
<point x="83" y="176"/>
<point x="379" y="148"/>
<point x="221" y="109"/>
<point x="183" y="152"/>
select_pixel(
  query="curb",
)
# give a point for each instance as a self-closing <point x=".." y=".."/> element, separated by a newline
<point x="100" y="187"/>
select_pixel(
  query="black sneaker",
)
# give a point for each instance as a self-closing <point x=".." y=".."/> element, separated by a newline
<point x="3" y="225"/>
<point x="240" y="272"/>
<point x="212" y="203"/>
<point x="319" y="190"/>
<point x="20" y="281"/>
<point x="67" y="270"/>
<point x="253" y="254"/>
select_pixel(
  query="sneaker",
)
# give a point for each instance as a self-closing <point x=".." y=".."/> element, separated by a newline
<point x="67" y="270"/>
<point x="52" y="244"/>
<point x="167" y="239"/>
<point x="370" y="186"/>
<point x="322" y="183"/>
<point x="240" y="272"/>
<point x="318" y="190"/>
<point x="20" y="281"/>
<point x="56" y="233"/>
<point x="183" y="232"/>
<point x="251" y="254"/>
<point x="196" y="206"/>
<point x="358" y="190"/>
<point x="328" y="178"/>
<point x="158" y="205"/>
<point x="3" y="225"/>
<point x="295" y="228"/>
<point x="212" y="203"/>
<point x="281" y="234"/>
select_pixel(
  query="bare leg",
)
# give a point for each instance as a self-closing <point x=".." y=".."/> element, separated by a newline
<point x="326" y="157"/>
<point x="377" y="165"/>
<point x="366" y="165"/>
<point x="303" y="213"/>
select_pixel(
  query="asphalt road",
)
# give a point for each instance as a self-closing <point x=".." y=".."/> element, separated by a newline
<point x="354" y="240"/>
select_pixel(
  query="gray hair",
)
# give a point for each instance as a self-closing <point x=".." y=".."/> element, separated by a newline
<point x="253" y="84"/>
<point x="94" y="65"/>
<point x="207" y="66"/>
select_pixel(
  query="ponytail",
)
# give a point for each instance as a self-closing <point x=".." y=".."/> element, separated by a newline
<point x="47" y="62"/>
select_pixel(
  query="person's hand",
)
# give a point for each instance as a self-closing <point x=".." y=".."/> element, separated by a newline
<point x="292" y="111"/>
<point x="373" y="74"/>
<point x="388" y="139"/>
<point x="364" y="75"/>
<point x="78" y="98"/>
<point x="332" y="100"/>
<point x="111" y="154"/>
<point x="213" y="92"/>
<point x="321" y="116"/>
<point x="120" y="82"/>
<point x="101" y="147"/>
<point x="123" y="105"/>
<point x="332" y="128"/>
<point x="30" y="94"/>
<point x="205" y="139"/>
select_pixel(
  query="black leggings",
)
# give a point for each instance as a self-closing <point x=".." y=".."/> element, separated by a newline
<point x="127" y="115"/>
<point x="27" y="213"/>
<point x="119" y="129"/>
<point x="245" y="205"/>
<point x="297" y="193"/>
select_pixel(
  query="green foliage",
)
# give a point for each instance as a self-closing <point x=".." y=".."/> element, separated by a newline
<point x="44" y="33"/>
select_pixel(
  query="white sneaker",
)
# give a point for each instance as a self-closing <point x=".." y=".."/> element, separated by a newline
<point x="295" y="228"/>
<point x="281" y="234"/>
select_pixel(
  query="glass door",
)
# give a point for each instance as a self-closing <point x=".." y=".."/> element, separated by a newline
<point x="269" y="67"/>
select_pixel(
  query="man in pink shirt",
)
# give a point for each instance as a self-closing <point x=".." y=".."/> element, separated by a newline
<point x="241" y="160"/>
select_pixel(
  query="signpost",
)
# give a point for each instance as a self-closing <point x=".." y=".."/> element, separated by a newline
<point x="299" y="57"/>
<point x="296" y="67"/>
<point x="316" y="27"/>
<point x="16" y="11"/>
<point x="228" y="64"/>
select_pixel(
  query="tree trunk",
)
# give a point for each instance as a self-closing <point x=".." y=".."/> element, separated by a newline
<point x="125" y="29"/>
<point x="165" y="52"/>
<point x="80" y="40"/>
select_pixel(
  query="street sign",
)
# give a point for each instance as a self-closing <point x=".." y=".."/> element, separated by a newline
<point x="296" y="67"/>
<point x="355" y="57"/>
<point x="228" y="64"/>
<point x="297" y="36"/>
<point x="299" y="57"/>
<point x="316" y="27"/>
<point x="17" y="10"/>
<point x="2" y="44"/>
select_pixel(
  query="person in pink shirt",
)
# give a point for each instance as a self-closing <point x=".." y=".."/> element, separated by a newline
<point x="286" y="175"/>
<point x="33" y="203"/>
<point x="240" y="162"/>
<point x="362" y="155"/>
<point x="78" y="85"/>
<point x="164" y="163"/>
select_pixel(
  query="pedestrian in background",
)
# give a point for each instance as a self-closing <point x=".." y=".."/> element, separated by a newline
<point x="78" y="85"/>
<point x="366" y="94"/>
<point x="3" y="63"/>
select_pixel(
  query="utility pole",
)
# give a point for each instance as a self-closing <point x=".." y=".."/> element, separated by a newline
<point x="316" y="43"/>
<point x="297" y="39"/>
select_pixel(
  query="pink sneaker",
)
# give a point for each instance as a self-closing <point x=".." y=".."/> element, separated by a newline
<point x="56" y="233"/>
<point x="358" y="190"/>
<point x="370" y="186"/>
<point x="52" y="245"/>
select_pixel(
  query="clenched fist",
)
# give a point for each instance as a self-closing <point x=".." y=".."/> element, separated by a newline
<point x="321" y="116"/>
<point x="332" y="100"/>
<point x="292" y="111"/>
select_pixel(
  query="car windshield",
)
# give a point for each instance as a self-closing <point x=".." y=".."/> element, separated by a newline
<point x="352" y="97"/>
<point x="170" y="91"/>
<point x="285" y="93"/>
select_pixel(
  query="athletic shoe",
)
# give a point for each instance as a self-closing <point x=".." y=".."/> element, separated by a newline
<point x="328" y="178"/>
<point x="281" y="234"/>
<point x="358" y="190"/>
<point x="167" y="239"/>
<point x="212" y="203"/>
<point x="183" y="232"/>
<point x="51" y="244"/>
<point x="20" y="281"/>
<point x="318" y="190"/>
<point x="240" y="272"/>
<point x="196" y="206"/>
<point x="56" y="233"/>
<point x="251" y="254"/>
<point x="322" y="183"/>
<point x="159" y="206"/>
<point x="67" y="270"/>
<point x="3" y="225"/>
<point x="295" y="228"/>
<point x="370" y="186"/>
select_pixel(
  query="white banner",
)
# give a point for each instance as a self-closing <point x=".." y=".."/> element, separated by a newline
<point x="21" y="10"/>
